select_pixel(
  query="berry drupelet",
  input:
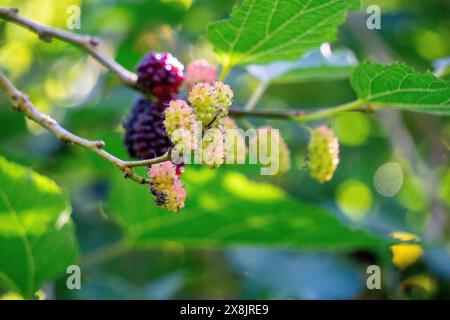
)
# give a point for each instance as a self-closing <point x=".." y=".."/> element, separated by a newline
<point x="211" y="102"/>
<point x="160" y="74"/>
<point x="145" y="135"/>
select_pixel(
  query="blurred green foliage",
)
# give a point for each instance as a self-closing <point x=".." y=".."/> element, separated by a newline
<point x="64" y="82"/>
<point x="37" y="238"/>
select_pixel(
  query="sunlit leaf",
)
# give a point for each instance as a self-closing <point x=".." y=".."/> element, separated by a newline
<point x="401" y="86"/>
<point x="262" y="31"/>
<point x="227" y="209"/>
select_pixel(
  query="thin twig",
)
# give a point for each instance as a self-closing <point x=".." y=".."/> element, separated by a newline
<point x="22" y="103"/>
<point x="88" y="43"/>
<point x="238" y="112"/>
<point x="300" y="115"/>
<point x="256" y="96"/>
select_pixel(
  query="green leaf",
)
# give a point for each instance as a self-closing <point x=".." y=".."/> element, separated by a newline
<point x="262" y="31"/>
<point x="36" y="237"/>
<point x="401" y="86"/>
<point x="319" y="73"/>
<point x="226" y="209"/>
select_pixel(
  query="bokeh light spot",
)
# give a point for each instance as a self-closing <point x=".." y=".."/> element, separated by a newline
<point x="16" y="57"/>
<point x="239" y="185"/>
<point x="353" y="129"/>
<point x="413" y="194"/>
<point x="430" y="45"/>
<point x="354" y="198"/>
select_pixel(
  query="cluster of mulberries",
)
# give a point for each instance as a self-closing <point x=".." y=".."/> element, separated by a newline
<point x="166" y="186"/>
<point x="155" y="118"/>
<point x="159" y="122"/>
<point x="209" y="104"/>
<point x="160" y="75"/>
<point x="323" y="153"/>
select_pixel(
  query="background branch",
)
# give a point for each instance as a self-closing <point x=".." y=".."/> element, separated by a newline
<point x="88" y="43"/>
<point x="300" y="115"/>
<point x="256" y="96"/>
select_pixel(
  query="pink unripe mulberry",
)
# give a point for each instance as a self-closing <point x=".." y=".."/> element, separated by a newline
<point x="211" y="102"/>
<point x="166" y="187"/>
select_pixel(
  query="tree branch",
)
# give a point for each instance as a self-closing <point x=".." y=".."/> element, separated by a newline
<point x="88" y="43"/>
<point x="22" y="103"/>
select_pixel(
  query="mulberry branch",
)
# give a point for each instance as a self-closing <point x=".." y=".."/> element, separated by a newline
<point x="22" y="103"/>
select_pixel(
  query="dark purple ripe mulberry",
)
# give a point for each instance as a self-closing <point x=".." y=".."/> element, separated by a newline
<point x="160" y="74"/>
<point x="145" y="135"/>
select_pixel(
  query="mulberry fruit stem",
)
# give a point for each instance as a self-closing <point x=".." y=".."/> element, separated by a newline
<point x="225" y="71"/>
